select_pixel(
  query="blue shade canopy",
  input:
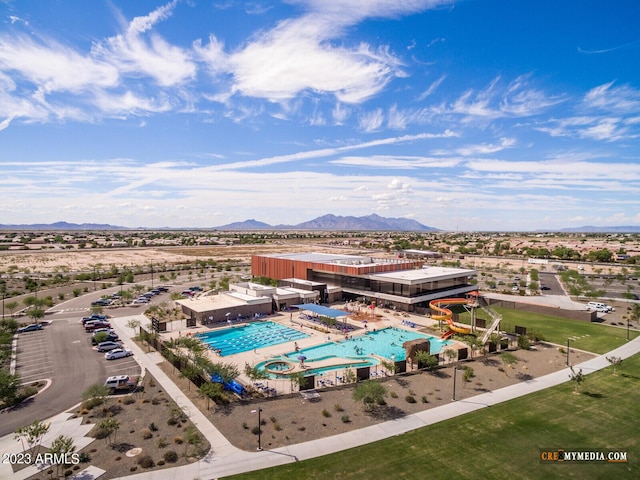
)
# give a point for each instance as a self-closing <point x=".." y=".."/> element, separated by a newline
<point x="324" y="311"/>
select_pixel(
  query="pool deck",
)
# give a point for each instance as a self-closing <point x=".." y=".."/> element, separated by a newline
<point x="381" y="319"/>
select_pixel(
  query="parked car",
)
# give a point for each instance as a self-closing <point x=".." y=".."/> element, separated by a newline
<point x="195" y="289"/>
<point x="92" y="326"/>
<point x="30" y="328"/>
<point x="121" y="382"/>
<point x="102" y="302"/>
<point x="140" y="300"/>
<point x="117" y="353"/>
<point x="163" y="289"/>
<point x="93" y="318"/>
<point x="111" y="336"/>
<point x="108" y="345"/>
<point x="544" y="287"/>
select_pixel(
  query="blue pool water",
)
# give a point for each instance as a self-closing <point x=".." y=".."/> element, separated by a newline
<point x="247" y="337"/>
<point x="385" y="343"/>
<point x="359" y="350"/>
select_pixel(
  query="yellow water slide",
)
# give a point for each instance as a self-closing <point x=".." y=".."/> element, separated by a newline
<point x="445" y="314"/>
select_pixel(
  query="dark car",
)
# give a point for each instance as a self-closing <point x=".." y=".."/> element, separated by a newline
<point x="111" y="337"/>
<point x="103" y="302"/>
<point x="30" y="328"/>
<point x="93" y="318"/>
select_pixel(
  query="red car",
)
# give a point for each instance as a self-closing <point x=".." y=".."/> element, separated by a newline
<point x="91" y="326"/>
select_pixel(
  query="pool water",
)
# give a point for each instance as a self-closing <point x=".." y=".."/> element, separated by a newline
<point x="228" y="341"/>
<point x="360" y="350"/>
<point x="385" y="343"/>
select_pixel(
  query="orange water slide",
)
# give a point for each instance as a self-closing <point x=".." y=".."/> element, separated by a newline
<point x="446" y="314"/>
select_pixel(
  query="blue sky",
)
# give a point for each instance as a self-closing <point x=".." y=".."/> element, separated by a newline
<point x="463" y="115"/>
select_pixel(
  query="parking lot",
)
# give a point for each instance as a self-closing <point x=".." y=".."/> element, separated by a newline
<point x="34" y="357"/>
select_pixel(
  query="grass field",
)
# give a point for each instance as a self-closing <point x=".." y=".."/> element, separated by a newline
<point x="592" y="337"/>
<point x="505" y="441"/>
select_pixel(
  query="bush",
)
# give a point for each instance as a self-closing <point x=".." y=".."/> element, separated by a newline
<point x="326" y="413"/>
<point x="171" y="421"/>
<point x="146" y="461"/>
<point x="338" y="408"/>
<point x="84" y="457"/>
<point x="178" y="440"/>
<point x="345" y="419"/>
<point x="410" y="399"/>
<point x="393" y="395"/>
<point x="128" y="400"/>
<point x="425" y="399"/>
<point x="146" y="433"/>
<point x="170" y="456"/>
<point x="162" y="442"/>
<point x="153" y="427"/>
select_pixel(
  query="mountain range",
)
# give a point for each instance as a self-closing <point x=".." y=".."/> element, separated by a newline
<point x="326" y="222"/>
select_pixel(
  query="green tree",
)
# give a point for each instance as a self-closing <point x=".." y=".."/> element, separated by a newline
<point x="577" y="378"/>
<point x="96" y="393"/>
<point x="615" y="361"/>
<point x="369" y="393"/>
<point x="210" y="391"/>
<point x="32" y="433"/>
<point x="467" y="374"/>
<point x="61" y="446"/>
<point x="298" y="379"/>
<point x="9" y="386"/>
<point x="11" y="306"/>
<point x="426" y="360"/>
<point x="109" y="427"/>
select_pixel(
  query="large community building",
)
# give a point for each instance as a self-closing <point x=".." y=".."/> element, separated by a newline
<point x="401" y="284"/>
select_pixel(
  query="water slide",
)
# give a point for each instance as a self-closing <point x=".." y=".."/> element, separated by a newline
<point x="446" y="314"/>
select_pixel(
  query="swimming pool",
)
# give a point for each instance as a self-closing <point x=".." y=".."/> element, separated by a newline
<point x="360" y="350"/>
<point x="244" y="338"/>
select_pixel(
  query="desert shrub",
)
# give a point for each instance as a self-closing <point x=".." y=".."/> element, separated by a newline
<point x="162" y="442"/>
<point x="152" y="427"/>
<point x="178" y="440"/>
<point x="410" y="399"/>
<point x="338" y="408"/>
<point x="255" y="430"/>
<point x="277" y="427"/>
<point x="245" y="425"/>
<point x="326" y="413"/>
<point x="345" y="419"/>
<point x="91" y="403"/>
<point x="155" y="401"/>
<point x="393" y="395"/>
<point x="146" y="433"/>
<point x="382" y="401"/>
<point x="68" y="473"/>
<point x="170" y="456"/>
<point x="84" y="457"/>
<point x="146" y="461"/>
<point x="160" y="463"/>
<point x="273" y="419"/>
<point x="425" y="399"/>
<point x="128" y="400"/>
<point x="171" y="421"/>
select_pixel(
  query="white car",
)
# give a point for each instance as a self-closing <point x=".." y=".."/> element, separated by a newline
<point x="117" y="353"/>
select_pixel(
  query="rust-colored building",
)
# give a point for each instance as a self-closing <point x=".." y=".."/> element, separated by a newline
<point x="399" y="283"/>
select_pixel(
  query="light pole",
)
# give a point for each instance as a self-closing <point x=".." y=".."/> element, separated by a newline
<point x="568" y="340"/>
<point x="627" y="319"/>
<point x="455" y="370"/>
<point x="259" y="428"/>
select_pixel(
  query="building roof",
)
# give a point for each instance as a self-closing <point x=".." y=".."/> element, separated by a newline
<point x="421" y="275"/>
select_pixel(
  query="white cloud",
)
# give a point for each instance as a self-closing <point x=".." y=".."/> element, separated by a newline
<point x="371" y="121"/>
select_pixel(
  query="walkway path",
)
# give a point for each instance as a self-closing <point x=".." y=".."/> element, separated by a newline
<point x="225" y="459"/>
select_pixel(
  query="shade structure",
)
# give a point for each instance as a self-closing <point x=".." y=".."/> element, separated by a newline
<point x="324" y="311"/>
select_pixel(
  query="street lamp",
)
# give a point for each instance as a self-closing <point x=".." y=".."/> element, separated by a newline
<point x="455" y="370"/>
<point x="568" y="340"/>
<point x="259" y="428"/>
<point x="627" y="322"/>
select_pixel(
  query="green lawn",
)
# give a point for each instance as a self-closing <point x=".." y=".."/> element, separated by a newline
<point x="592" y="337"/>
<point x="504" y="441"/>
